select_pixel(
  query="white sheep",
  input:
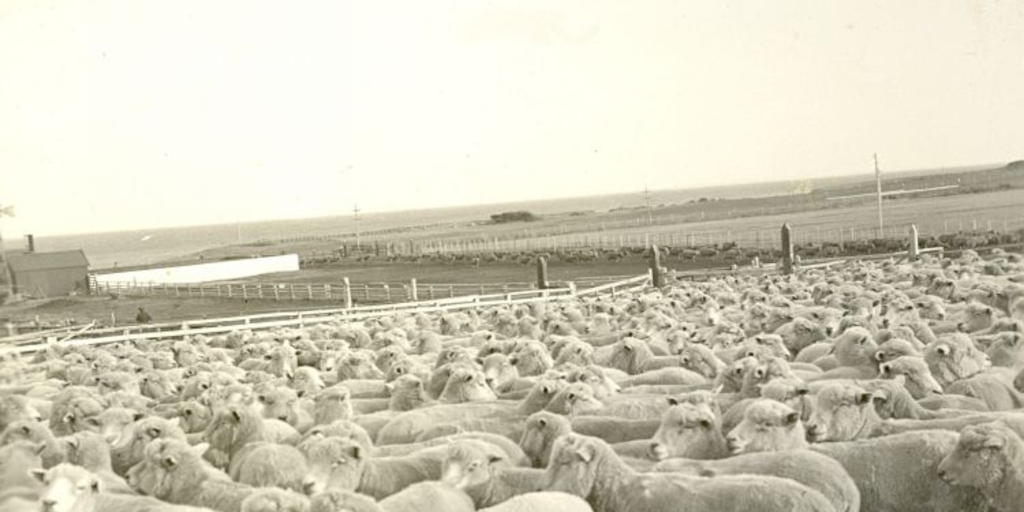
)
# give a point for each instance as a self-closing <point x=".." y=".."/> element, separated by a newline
<point x="988" y="457"/>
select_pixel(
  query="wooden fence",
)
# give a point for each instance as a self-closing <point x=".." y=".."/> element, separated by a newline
<point x="312" y="317"/>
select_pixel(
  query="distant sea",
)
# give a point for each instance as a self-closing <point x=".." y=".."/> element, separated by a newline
<point x="149" y="246"/>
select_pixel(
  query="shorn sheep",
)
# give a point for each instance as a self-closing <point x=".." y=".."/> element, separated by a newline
<point x="587" y="467"/>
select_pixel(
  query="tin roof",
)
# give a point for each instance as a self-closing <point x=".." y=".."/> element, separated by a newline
<point x="27" y="262"/>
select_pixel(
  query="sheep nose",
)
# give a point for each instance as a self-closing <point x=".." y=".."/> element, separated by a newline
<point x="283" y="417"/>
<point x="942" y="474"/>
<point x="657" y="451"/>
<point x="48" y="504"/>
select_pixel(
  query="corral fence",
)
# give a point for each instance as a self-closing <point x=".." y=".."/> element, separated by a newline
<point x="361" y="293"/>
<point x="305" y="318"/>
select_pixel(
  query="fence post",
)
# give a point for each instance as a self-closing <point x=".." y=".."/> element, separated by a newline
<point x="413" y="293"/>
<point x="542" y="273"/>
<point x="309" y="290"/>
<point x="913" y="248"/>
<point x="657" y="278"/>
<point x="348" y="292"/>
<point x="787" y="250"/>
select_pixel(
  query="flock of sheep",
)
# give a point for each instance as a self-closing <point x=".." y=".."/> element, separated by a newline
<point x="877" y="386"/>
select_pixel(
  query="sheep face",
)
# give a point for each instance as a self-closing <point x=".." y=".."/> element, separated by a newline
<point x="498" y="370"/>
<point x="731" y="379"/>
<point x="332" y="404"/>
<point x="142" y="433"/>
<point x="156" y="384"/>
<point x="466" y="385"/>
<point x="16" y="408"/>
<point x="1007" y="350"/>
<point x="767" y="426"/>
<point x="169" y="467"/>
<point x="755" y="378"/>
<point x="531" y="359"/>
<point x="358" y="365"/>
<point x="842" y="412"/>
<point x="65" y="486"/>
<point x="334" y="463"/>
<point x="541" y="430"/>
<point x="337" y="500"/>
<point x="468" y="463"/>
<point x="981" y="457"/>
<point x="685" y="430"/>
<point x="855" y="347"/>
<point x="279" y="403"/>
<point x="894" y="347"/>
<point x="919" y="380"/>
<point x="700" y="359"/>
<point x="953" y="357"/>
<point x="576" y="398"/>
<point x="595" y="377"/>
<point x="573" y="466"/>
<point x="113" y="423"/>
<point x="194" y="416"/>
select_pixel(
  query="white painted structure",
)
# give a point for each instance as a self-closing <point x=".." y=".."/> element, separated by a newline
<point x="205" y="272"/>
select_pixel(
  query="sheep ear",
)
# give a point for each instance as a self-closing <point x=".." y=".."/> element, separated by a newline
<point x="138" y="416"/>
<point x="154" y="432"/>
<point x="72" y="442"/>
<point x="879" y="396"/>
<point x="943" y="350"/>
<point x="494" y="459"/>
<point x="708" y="473"/>
<point x="585" y="453"/>
<point x="879" y="356"/>
<point x="993" y="442"/>
<point x="673" y="400"/>
<point x="38" y="474"/>
<point x="863" y="398"/>
<point x="356" y="452"/>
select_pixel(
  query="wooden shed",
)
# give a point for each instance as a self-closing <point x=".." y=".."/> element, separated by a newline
<point x="49" y="274"/>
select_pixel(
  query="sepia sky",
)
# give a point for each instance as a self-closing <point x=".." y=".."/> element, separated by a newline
<point x="120" y="114"/>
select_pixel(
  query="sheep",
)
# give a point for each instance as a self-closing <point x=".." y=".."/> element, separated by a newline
<point x="919" y="380"/>
<point x="263" y="464"/>
<point x="331" y="404"/>
<point x="1007" y="350"/>
<point x="482" y="471"/>
<point x="283" y="404"/>
<point x="231" y="429"/>
<point x="70" y="488"/>
<point x="466" y="385"/>
<point x="701" y="359"/>
<point x="338" y="500"/>
<point x="988" y="457"/>
<point x="173" y="471"/>
<point x="542" y="502"/>
<point x="130" y="451"/>
<point x="899" y="473"/>
<point x="16" y="460"/>
<point x="767" y="426"/>
<point x="853" y="353"/>
<point x="689" y="430"/>
<point x="812" y="469"/>
<point x="587" y="467"/>
<point x="88" y="450"/>
<point x="16" y="408"/>
<point x="275" y="500"/>
<point x="633" y="356"/>
<point x="428" y="497"/>
<point x="994" y="390"/>
<point x="407" y="393"/>
<point x="953" y="357"/>
<point x="342" y="463"/>
<point x="53" y="451"/>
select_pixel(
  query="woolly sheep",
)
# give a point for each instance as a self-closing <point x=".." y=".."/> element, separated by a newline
<point x="587" y="467"/>
<point x="689" y="430"/>
<point x="812" y="469"/>
<point x="428" y="497"/>
<point x="173" y="471"/>
<point x="953" y="357"/>
<point x="262" y="464"/>
<point x="919" y="380"/>
<point x="70" y="488"/>
<point x="899" y="473"/>
<point x="767" y="426"/>
<point x="338" y="500"/>
<point x="482" y="470"/>
<point x="142" y="432"/>
<point x="988" y="457"/>
<point x="542" y="502"/>
<point x="342" y="463"/>
<point x="275" y="500"/>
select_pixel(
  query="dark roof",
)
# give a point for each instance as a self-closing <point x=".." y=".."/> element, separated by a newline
<point x="27" y="262"/>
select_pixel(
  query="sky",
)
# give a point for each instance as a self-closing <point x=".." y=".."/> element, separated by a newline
<point x="128" y="114"/>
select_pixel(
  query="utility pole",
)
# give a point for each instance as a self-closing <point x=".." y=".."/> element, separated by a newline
<point x="355" y="217"/>
<point x="647" y="199"/>
<point x="878" y="188"/>
<point x="7" y="290"/>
